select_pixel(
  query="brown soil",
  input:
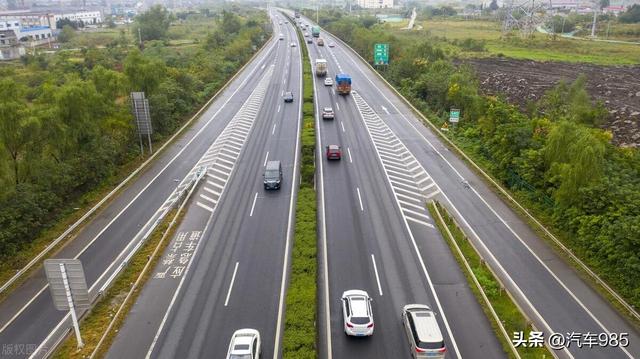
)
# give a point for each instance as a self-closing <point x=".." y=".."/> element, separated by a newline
<point x="618" y="87"/>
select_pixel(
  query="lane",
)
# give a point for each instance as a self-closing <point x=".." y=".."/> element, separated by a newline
<point x="377" y="233"/>
<point x="28" y="315"/>
<point x="236" y="276"/>
<point x="552" y="292"/>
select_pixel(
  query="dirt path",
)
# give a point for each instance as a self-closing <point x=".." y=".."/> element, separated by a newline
<point x="618" y="87"/>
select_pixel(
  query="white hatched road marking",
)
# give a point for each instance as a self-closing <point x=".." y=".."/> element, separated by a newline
<point x="200" y="204"/>
<point x="403" y="166"/>
<point x="247" y="113"/>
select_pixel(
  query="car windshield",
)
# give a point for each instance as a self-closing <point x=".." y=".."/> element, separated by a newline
<point x="359" y="320"/>
<point x="271" y="174"/>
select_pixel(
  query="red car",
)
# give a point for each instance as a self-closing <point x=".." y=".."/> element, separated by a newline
<point x="334" y="152"/>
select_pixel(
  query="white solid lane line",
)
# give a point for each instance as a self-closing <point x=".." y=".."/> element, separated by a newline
<point x="375" y="269"/>
<point x="265" y="159"/>
<point x="342" y="124"/>
<point x="255" y="198"/>
<point x="233" y="278"/>
<point x="360" y="199"/>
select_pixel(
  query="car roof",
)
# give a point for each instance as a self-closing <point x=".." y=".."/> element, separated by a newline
<point x="426" y="326"/>
<point x="273" y="165"/>
<point x="358" y="306"/>
<point x="243" y="337"/>
<point x="328" y="109"/>
<point x="334" y="147"/>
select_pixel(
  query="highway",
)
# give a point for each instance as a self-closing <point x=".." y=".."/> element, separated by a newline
<point x="551" y="293"/>
<point x="27" y="316"/>
<point x="387" y="244"/>
<point x="235" y="236"/>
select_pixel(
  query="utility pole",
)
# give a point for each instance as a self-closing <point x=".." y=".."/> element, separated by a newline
<point x="593" y="27"/>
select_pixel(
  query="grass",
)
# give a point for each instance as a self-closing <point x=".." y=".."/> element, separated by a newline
<point x="507" y="311"/>
<point x="301" y="300"/>
<point x="95" y="323"/>
<point x="540" y="48"/>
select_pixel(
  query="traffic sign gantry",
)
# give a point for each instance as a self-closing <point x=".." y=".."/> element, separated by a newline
<point x="381" y="54"/>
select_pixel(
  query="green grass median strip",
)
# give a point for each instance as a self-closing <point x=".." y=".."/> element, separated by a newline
<point x="97" y="321"/>
<point x="499" y="301"/>
<point x="299" y="339"/>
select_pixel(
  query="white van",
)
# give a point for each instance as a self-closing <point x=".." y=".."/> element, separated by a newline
<point x="423" y="332"/>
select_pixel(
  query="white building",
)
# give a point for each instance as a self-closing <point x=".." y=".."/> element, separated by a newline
<point x="87" y="17"/>
<point x="375" y="4"/>
<point x="25" y="33"/>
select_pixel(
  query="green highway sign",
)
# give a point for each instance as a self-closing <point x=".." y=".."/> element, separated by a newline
<point x="381" y="54"/>
<point x="454" y="115"/>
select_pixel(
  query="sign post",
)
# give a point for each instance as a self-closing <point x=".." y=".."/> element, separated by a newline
<point x="454" y="115"/>
<point x="68" y="288"/>
<point x="381" y="54"/>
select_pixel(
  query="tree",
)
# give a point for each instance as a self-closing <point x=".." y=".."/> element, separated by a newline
<point x="604" y="3"/>
<point x="632" y="15"/>
<point x="154" y="23"/>
<point x="66" y="22"/>
<point x="144" y="73"/>
<point x="16" y="132"/>
<point x="230" y="22"/>
<point x="575" y="156"/>
<point x="66" y="34"/>
<point x="494" y="5"/>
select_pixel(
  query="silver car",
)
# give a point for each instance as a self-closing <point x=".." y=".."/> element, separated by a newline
<point x="422" y="330"/>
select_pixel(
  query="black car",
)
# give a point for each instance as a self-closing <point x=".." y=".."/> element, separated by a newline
<point x="288" y="96"/>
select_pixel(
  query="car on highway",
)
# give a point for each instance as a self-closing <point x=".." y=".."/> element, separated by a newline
<point x="306" y="34"/>
<point x="288" y="96"/>
<point x="309" y="41"/>
<point x="279" y="22"/>
<point x="422" y="331"/>
<point x="272" y="177"/>
<point x="328" y="81"/>
<point x="356" y="313"/>
<point x="293" y="44"/>
<point x="327" y="113"/>
<point x="331" y="44"/>
<point x="320" y="42"/>
<point x="245" y="344"/>
<point x="281" y="36"/>
<point x="334" y="152"/>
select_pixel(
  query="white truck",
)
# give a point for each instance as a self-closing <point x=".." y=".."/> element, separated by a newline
<point x="321" y="67"/>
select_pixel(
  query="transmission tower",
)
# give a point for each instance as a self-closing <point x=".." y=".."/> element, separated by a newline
<point x="524" y="16"/>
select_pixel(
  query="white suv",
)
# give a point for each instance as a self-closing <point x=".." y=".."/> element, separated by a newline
<point x="357" y="314"/>
<point x="422" y="330"/>
<point x="245" y="344"/>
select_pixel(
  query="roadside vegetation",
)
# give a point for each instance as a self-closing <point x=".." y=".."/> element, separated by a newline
<point x="299" y="339"/>
<point x="552" y="157"/>
<point x="66" y="131"/>
<point x="508" y="313"/>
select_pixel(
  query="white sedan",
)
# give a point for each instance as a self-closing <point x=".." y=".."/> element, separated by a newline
<point x="356" y="313"/>
<point x="245" y="344"/>
<point x="328" y="81"/>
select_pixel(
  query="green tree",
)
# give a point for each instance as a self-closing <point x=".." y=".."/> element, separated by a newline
<point x="632" y="15"/>
<point x="230" y="22"/>
<point x="154" y="23"/>
<point x="575" y="157"/>
<point x="144" y="73"/>
<point x="17" y="130"/>
<point x="66" y="34"/>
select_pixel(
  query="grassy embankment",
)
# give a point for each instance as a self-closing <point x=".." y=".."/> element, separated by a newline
<point x="299" y="341"/>
<point x="500" y="301"/>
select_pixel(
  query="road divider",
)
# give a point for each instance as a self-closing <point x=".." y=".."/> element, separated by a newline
<point x="506" y="317"/>
<point x="299" y="338"/>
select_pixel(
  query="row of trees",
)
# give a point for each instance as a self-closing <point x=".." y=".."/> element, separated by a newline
<point x="553" y="156"/>
<point x="65" y="122"/>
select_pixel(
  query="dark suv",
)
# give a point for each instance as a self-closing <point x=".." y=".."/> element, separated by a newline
<point x="272" y="175"/>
